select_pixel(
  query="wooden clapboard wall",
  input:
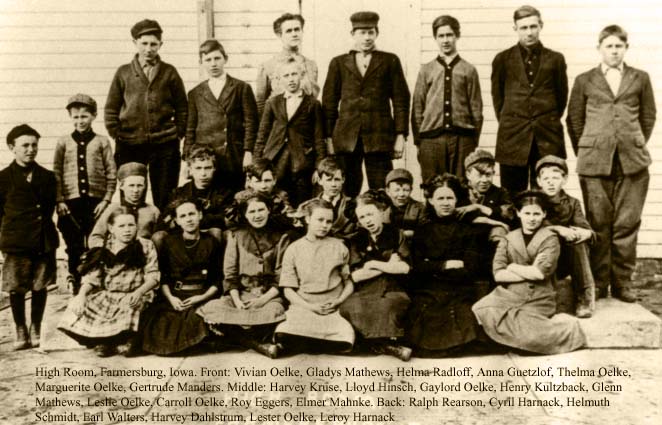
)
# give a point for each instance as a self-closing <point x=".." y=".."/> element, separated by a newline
<point x="50" y="50"/>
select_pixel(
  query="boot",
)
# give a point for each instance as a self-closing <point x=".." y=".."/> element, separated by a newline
<point x="104" y="350"/>
<point x="35" y="334"/>
<point x="264" y="348"/>
<point x="586" y="303"/>
<point x="624" y="294"/>
<point x="399" y="351"/>
<point x="22" y="338"/>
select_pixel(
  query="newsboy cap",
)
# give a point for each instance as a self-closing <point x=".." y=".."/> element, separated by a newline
<point x="399" y="174"/>
<point x="84" y="100"/>
<point x="551" y="160"/>
<point x="479" y="155"/>
<point x="21" y="130"/>
<point x="131" y="169"/>
<point x="364" y="20"/>
<point x="146" y="26"/>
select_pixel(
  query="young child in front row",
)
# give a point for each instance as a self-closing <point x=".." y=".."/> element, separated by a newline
<point x="86" y="179"/>
<point x="315" y="278"/>
<point x="565" y="217"/>
<point x="405" y="213"/>
<point x="28" y="238"/>
<point x="291" y="134"/>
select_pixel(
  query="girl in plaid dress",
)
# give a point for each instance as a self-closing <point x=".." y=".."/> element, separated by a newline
<point x="117" y="284"/>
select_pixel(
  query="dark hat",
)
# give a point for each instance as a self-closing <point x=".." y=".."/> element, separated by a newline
<point x="84" y="100"/>
<point x="364" y="20"/>
<point x="146" y="26"/>
<point x="131" y="169"/>
<point x="479" y="155"/>
<point x="399" y="174"/>
<point x="551" y="160"/>
<point x="21" y="130"/>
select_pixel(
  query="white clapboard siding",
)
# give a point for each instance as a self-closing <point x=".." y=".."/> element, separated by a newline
<point x="245" y="28"/>
<point x="50" y="50"/>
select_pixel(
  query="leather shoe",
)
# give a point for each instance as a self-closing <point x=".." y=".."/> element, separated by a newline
<point x="22" y="338"/>
<point x="399" y="351"/>
<point x="583" y="311"/>
<point x="35" y="334"/>
<point x="624" y="294"/>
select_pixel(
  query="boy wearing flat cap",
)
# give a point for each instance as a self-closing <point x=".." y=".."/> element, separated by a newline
<point x="362" y="88"/>
<point x="610" y="119"/>
<point x="565" y="217"/>
<point x="86" y="179"/>
<point x="146" y="112"/>
<point x="28" y="238"/>
<point x="405" y="213"/>
<point x="132" y="177"/>
<point x="447" y="114"/>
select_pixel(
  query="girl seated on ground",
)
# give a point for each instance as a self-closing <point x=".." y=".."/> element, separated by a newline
<point x="378" y="257"/>
<point x="518" y="313"/>
<point x="117" y="284"/>
<point x="316" y="280"/>
<point x="190" y="275"/>
<point x="251" y="306"/>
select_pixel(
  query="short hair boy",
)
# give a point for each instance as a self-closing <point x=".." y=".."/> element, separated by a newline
<point x="565" y="217"/>
<point x="289" y="29"/>
<point x="291" y="134"/>
<point x="447" y="109"/>
<point x="406" y="213"/>
<point x="330" y="176"/>
<point x="146" y="111"/>
<point x="28" y="238"/>
<point x="222" y="114"/>
<point x="611" y="116"/>
<point x="86" y="179"/>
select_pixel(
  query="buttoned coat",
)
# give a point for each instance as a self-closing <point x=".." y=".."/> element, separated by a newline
<point x="528" y="111"/>
<point x="361" y="106"/>
<point x="231" y="118"/>
<point x="303" y="132"/>
<point x="601" y="123"/>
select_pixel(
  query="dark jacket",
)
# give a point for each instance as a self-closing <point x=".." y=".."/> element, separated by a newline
<point x="232" y="118"/>
<point x="303" y="133"/>
<point x="528" y="111"/>
<point x="26" y="211"/>
<point x="356" y="106"/>
<point x="567" y="211"/>
<point x="410" y="216"/>
<point x="141" y="111"/>
<point x="498" y="200"/>
<point x="601" y="124"/>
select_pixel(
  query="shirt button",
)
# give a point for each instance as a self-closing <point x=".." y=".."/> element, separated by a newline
<point x="447" y="102"/>
<point x="530" y="73"/>
<point x="447" y="114"/>
<point x="83" y="191"/>
<point x="448" y="78"/>
<point x="82" y="156"/>
<point x="38" y="205"/>
<point x="82" y="143"/>
<point x="82" y="180"/>
<point x="448" y="126"/>
<point x="82" y="168"/>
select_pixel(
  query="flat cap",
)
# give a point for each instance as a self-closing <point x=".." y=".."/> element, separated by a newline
<point x="364" y="20"/>
<point x="131" y="169"/>
<point x="399" y="174"/>
<point x="21" y="130"/>
<point x="146" y="26"/>
<point x="551" y="160"/>
<point x="82" y="99"/>
<point x="479" y="155"/>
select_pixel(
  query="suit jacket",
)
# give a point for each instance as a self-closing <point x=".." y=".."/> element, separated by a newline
<point x="231" y="119"/>
<point x="357" y="106"/>
<point x="303" y="133"/>
<point x="528" y="111"/>
<point x="26" y="211"/>
<point x="601" y="123"/>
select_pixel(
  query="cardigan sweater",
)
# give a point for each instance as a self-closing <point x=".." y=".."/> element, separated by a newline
<point x="99" y="164"/>
<point x="141" y="111"/>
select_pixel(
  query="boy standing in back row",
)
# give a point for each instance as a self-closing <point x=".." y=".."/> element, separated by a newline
<point x="447" y="109"/>
<point x="610" y="118"/>
<point x="146" y="112"/>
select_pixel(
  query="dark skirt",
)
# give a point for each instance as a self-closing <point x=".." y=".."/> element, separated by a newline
<point x="167" y="331"/>
<point x="377" y="308"/>
<point x="441" y="318"/>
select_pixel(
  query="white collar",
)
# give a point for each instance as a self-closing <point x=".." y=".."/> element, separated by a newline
<point x="288" y="95"/>
<point x="605" y="68"/>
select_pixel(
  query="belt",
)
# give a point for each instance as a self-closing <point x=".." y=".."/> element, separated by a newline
<point x="181" y="286"/>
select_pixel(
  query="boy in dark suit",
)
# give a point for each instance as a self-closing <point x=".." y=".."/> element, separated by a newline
<point x="28" y="238"/>
<point x="361" y="88"/>
<point x="146" y="112"/>
<point x="610" y="118"/>
<point x="291" y="134"/>
<point x="222" y="114"/>
<point x="529" y="93"/>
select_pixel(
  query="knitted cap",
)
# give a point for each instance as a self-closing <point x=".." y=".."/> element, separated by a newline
<point x="131" y="169"/>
